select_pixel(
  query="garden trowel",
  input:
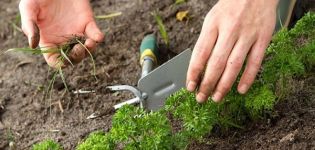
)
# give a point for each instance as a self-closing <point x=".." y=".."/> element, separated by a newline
<point x="156" y="85"/>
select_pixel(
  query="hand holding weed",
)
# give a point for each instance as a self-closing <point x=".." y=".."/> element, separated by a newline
<point x="232" y="31"/>
<point x="48" y="23"/>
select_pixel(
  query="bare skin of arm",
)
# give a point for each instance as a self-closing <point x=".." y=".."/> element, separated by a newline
<point x="233" y="31"/>
<point x="48" y="23"/>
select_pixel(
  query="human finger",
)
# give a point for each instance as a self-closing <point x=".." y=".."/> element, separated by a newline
<point x="77" y="53"/>
<point x="255" y="58"/>
<point x="29" y="10"/>
<point x="90" y="45"/>
<point x="93" y="32"/>
<point x="201" y="54"/>
<point x="233" y="66"/>
<point x="216" y="64"/>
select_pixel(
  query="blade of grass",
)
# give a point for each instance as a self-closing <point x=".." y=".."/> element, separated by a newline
<point x="50" y="85"/>
<point x="109" y="16"/>
<point x="179" y="1"/>
<point x="93" y="62"/>
<point x="64" y="55"/>
<point x="162" y="28"/>
<point x="33" y="50"/>
<point x="16" y="27"/>
<point x="63" y="78"/>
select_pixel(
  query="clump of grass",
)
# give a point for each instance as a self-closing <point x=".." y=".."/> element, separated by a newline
<point x="47" y="145"/>
<point x="63" y="58"/>
<point x="162" y="28"/>
<point x="91" y="56"/>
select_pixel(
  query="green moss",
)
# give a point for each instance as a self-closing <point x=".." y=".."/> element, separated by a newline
<point x="47" y="145"/>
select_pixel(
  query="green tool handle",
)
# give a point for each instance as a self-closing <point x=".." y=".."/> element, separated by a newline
<point x="148" y="49"/>
<point x="148" y="52"/>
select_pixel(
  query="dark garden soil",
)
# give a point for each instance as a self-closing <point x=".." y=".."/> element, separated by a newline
<point x="26" y="118"/>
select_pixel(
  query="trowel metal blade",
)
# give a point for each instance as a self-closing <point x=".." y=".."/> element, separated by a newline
<point x="165" y="80"/>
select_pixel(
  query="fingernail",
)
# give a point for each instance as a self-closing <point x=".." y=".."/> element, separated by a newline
<point x="191" y="86"/>
<point x="33" y="41"/>
<point x="217" y="96"/>
<point x="99" y="37"/>
<point x="30" y="42"/>
<point x="201" y="98"/>
<point x="243" y="88"/>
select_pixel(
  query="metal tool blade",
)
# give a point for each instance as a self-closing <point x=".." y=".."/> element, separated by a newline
<point x="165" y="80"/>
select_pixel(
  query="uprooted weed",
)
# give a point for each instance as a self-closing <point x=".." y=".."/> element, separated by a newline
<point x="64" y="51"/>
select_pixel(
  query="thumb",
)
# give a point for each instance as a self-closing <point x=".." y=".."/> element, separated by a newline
<point x="93" y="32"/>
<point x="29" y="11"/>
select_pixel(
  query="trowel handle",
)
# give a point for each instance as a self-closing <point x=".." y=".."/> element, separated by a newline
<point x="148" y="52"/>
<point x="148" y="49"/>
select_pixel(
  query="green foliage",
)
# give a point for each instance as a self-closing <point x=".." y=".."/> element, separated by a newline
<point x="308" y="54"/>
<point x="162" y="28"/>
<point x="290" y="54"/>
<point x="47" y="145"/>
<point x="232" y="110"/>
<point x="133" y="128"/>
<point x="137" y="129"/>
<point x="258" y="100"/>
<point x="177" y="2"/>
<point x="305" y="26"/>
<point x="97" y="141"/>
<point x="284" y="63"/>
<point x="282" y="60"/>
<point x="198" y="118"/>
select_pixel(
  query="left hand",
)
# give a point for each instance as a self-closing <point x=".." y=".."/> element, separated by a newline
<point x="232" y="31"/>
<point x="47" y="23"/>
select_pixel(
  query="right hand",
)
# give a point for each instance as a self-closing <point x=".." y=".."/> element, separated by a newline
<point x="48" y="23"/>
<point x="234" y="31"/>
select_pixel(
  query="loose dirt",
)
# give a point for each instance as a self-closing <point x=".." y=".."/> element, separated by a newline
<point x="26" y="118"/>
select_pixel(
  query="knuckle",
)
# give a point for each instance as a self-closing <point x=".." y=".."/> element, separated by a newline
<point x="205" y="88"/>
<point x="255" y="64"/>
<point x="194" y="72"/>
<point x="207" y="83"/>
<point x="218" y="63"/>
<point x="236" y="63"/>
<point x="201" y="51"/>
<point x="196" y="69"/>
<point x="223" y="88"/>
<point x="234" y="26"/>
